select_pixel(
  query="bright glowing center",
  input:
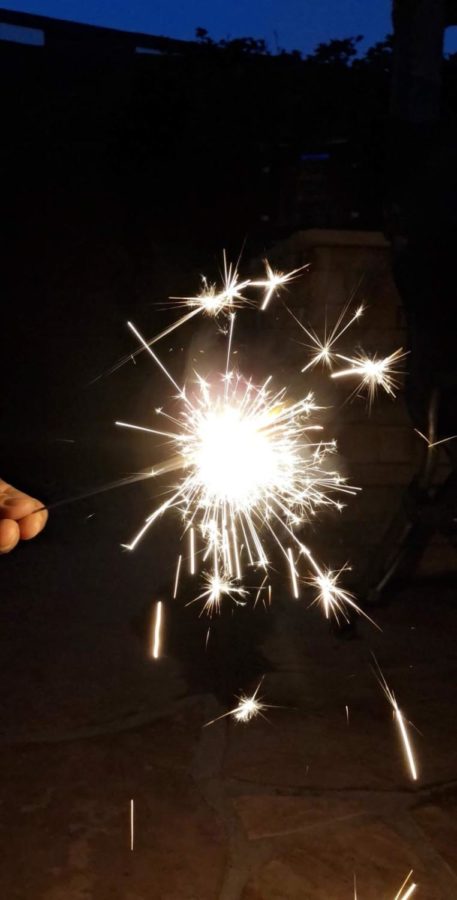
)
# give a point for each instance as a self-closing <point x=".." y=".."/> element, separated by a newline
<point x="212" y="302"/>
<point x="247" y="709"/>
<point x="234" y="459"/>
<point x="375" y="369"/>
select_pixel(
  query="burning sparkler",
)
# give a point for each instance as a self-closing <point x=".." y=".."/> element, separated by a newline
<point x="400" y="720"/>
<point x="248" y="467"/>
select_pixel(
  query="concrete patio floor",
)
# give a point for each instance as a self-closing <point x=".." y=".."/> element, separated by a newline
<point x="288" y="808"/>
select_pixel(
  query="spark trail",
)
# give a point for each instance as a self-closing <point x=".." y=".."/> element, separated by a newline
<point x="402" y="723"/>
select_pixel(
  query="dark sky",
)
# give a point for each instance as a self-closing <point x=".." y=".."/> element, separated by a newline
<point x="292" y="24"/>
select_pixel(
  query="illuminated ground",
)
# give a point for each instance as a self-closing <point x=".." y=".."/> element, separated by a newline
<point x="288" y="809"/>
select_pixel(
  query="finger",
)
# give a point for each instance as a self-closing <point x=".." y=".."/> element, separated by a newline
<point x="9" y="535"/>
<point x="31" y="525"/>
<point x="16" y="505"/>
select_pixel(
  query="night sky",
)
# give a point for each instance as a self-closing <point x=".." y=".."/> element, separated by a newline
<point x="290" y="24"/>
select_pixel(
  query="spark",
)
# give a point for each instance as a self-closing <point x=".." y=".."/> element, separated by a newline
<point x="274" y="281"/>
<point x="247" y="708"/>
<point x="218" y="587"/>
<point x="248" y="466"/>
<point x="157" y="630"/>
<point x="132" y="825"/>
<point x="293" y="573"/>
<point x="213" y="300"/>
<point x="333" y="599"/>
<point x="347" y="714"/>
<point x="192" y="551"/>
<point x="178" y="570"/>
<point x="260" y="590"/>
<point x="374" y="373"/>
<point x="323" y="349"/>
<point x="399" y="895"/>
<point x="431" y="444"/>
<point x="401" y="722"/>
<point x="411" y="888"/>
<point x="409" y="892"/>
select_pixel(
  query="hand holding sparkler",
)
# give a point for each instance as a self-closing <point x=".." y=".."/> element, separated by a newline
<point x="21" y="517"/>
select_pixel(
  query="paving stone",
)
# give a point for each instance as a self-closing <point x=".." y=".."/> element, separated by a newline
<point x="269" y="816"/>
<point x="440" y="557"/>
<point x="439" y="823"/>
<point x="322" y="866"/>
<point x="311" y="744"/>
<point x="317" y="749"/>
<point x="73" y="843"/>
